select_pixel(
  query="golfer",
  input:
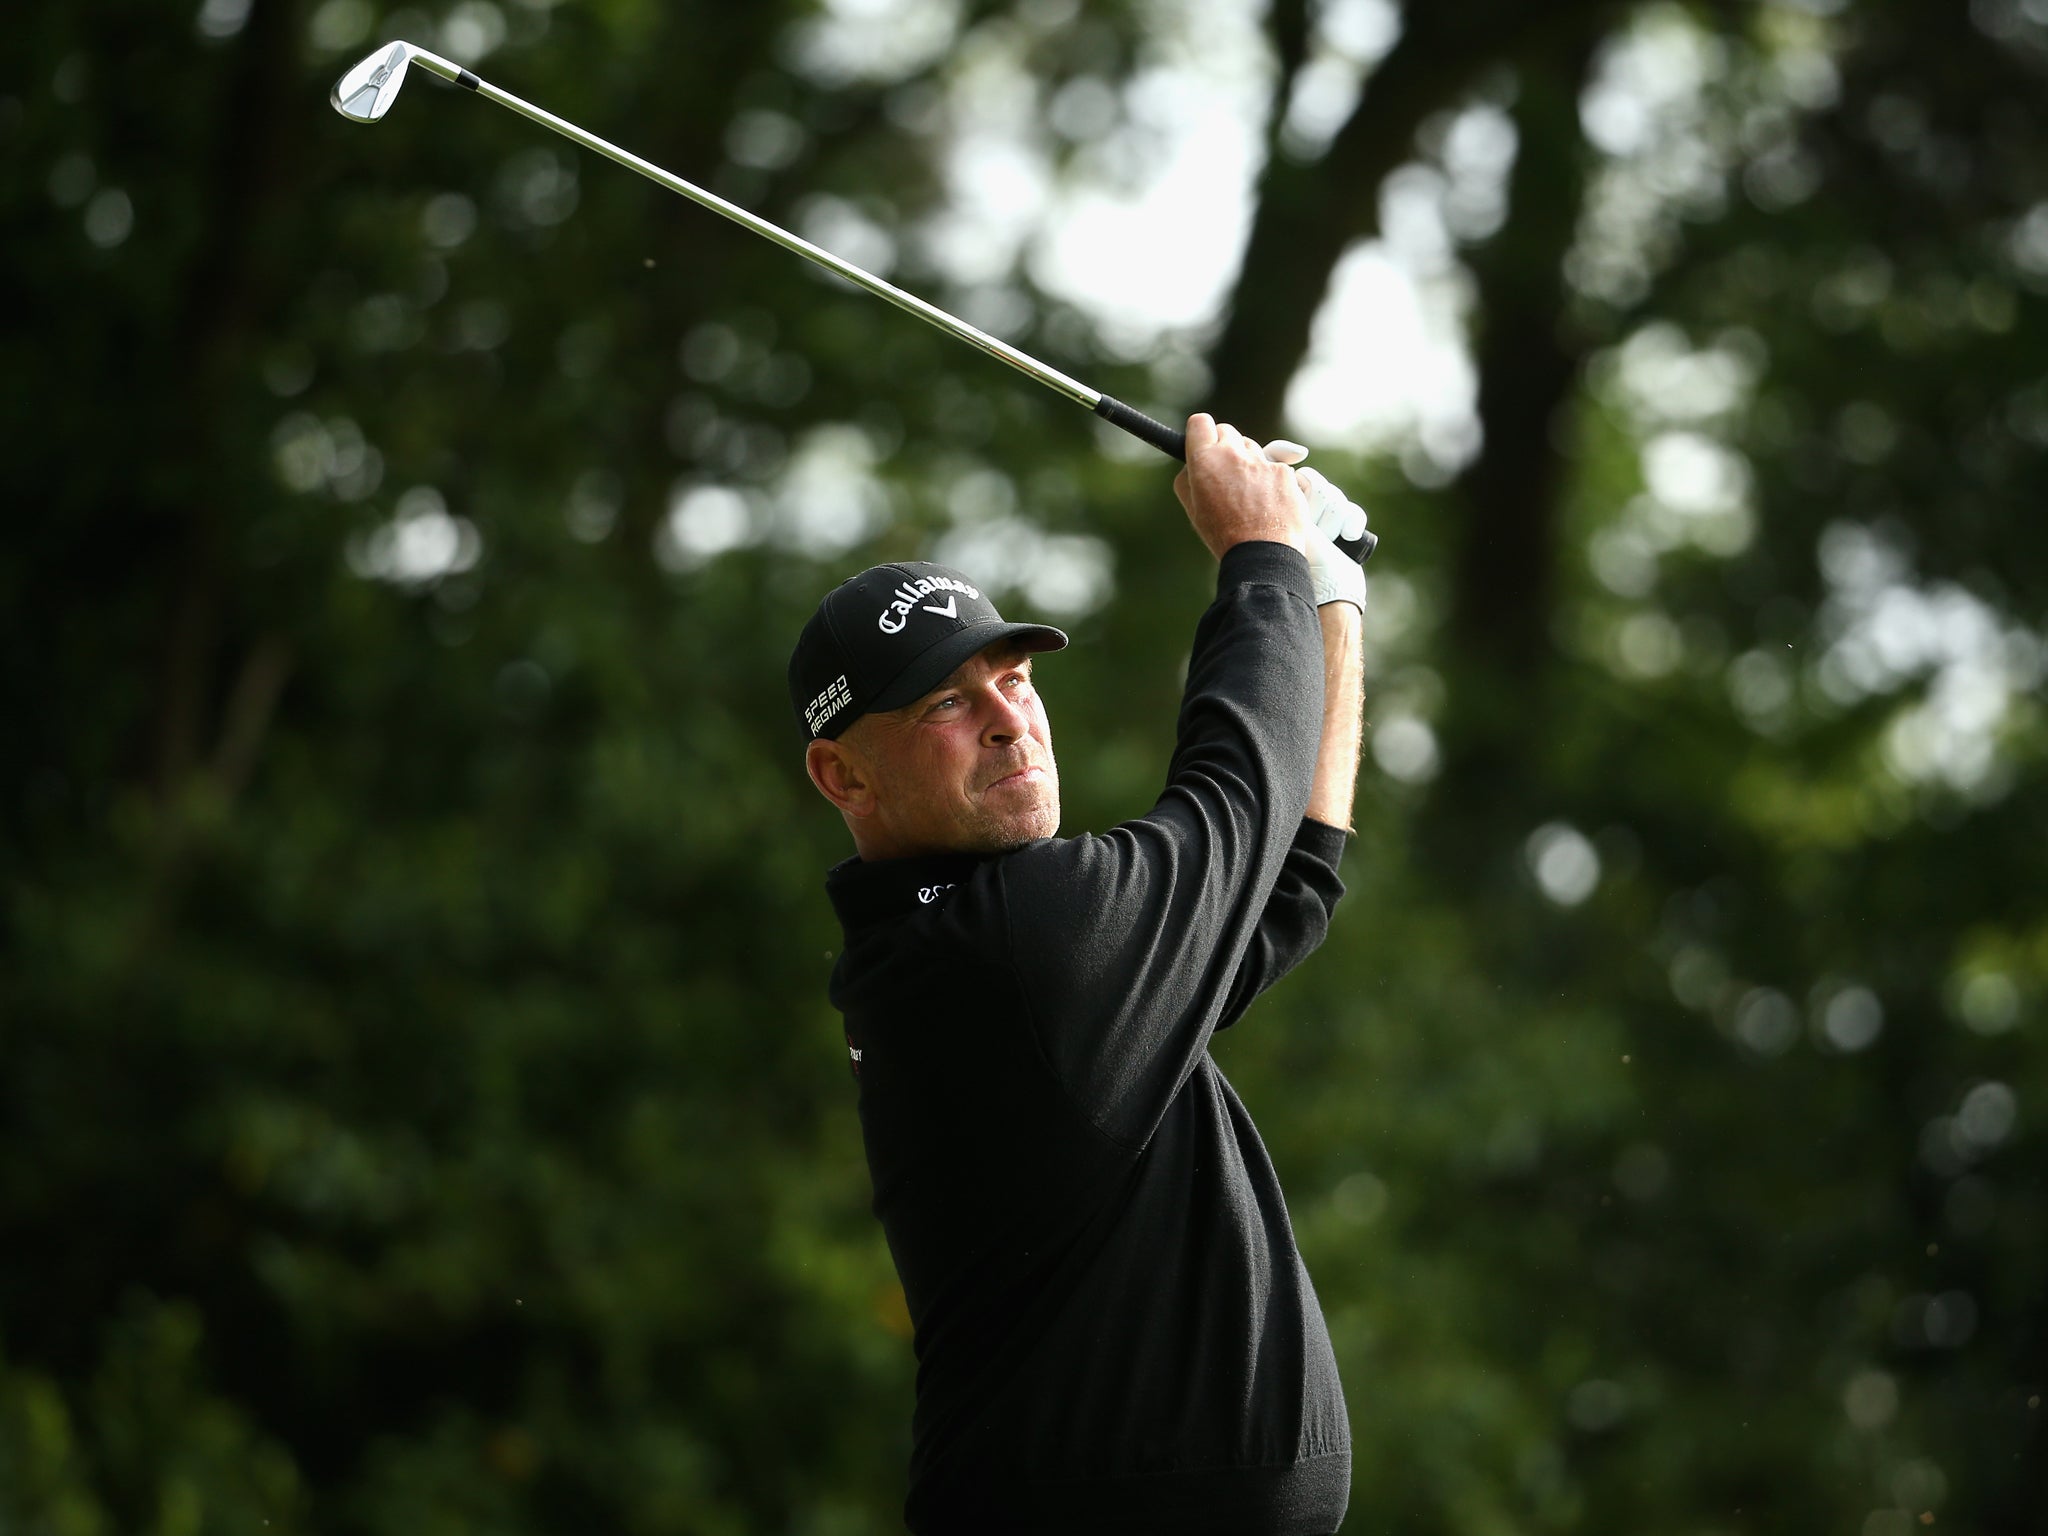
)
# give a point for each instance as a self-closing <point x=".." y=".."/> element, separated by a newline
<point x="1114" y="1331"/>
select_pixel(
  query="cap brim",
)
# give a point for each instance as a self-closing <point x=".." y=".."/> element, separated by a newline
<point x="938" y="663"/>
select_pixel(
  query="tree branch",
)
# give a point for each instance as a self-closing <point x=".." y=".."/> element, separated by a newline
<point x="259" y="130"/>
<point x="1310" y="214"/>
<point x="1287" y="28"/>
<point x="1528" y="364"/>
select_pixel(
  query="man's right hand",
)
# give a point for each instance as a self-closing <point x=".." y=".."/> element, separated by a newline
<point x="1234" y="493"/>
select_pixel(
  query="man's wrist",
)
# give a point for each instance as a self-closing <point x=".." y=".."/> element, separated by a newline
<point x="1343" y="616"/>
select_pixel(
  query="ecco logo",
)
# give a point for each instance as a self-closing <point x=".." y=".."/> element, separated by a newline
<point x="906" y="598"/>
<point x="930" y="893"/>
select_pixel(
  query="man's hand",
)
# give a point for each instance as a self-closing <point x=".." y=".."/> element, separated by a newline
<point x="1329" y="508"/>
<point x="1234" y="494"/>
<point x="1339" y="573"/>
<point x="1339" y="577"/>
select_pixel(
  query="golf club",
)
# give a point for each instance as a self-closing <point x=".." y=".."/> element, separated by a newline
<point x="365" y="94"/>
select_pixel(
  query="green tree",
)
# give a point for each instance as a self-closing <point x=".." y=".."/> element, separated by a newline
<point x="422" y="1108"/>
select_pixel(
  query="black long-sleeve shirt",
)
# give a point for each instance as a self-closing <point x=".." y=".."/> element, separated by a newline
<point x="1114" y="1329"/>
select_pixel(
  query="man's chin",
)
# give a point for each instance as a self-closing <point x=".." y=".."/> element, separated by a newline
<point x="1003" y="833"/>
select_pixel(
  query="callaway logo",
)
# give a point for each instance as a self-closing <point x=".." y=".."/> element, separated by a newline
<point x="930" y="893"/>
<point x="907" y="597"/>
<point x="819" y="712"/>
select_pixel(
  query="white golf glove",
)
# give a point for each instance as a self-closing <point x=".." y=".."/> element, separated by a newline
<point x="1330" y="516"/>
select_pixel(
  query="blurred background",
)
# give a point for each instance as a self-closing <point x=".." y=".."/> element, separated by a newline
<point x="419" y="1107"/>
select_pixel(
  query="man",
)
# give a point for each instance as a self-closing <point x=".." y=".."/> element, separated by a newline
<point x="1114" y="1331"/>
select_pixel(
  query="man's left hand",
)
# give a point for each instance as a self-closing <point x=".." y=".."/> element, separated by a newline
<point x="1327" y="516"/>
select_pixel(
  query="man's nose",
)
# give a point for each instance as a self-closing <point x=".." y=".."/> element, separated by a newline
<point x="1005" y="719"/>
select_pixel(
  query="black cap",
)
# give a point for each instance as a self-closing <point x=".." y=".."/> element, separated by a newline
<point x="888" y="636"/>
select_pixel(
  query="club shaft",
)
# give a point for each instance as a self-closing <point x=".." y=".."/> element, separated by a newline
<point x="952" y="325"/>
<point x="365" y="94"/>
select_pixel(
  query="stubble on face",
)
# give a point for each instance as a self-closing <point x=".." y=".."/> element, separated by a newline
<point x="994" y="825"/>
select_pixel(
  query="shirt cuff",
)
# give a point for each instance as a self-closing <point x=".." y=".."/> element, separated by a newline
<point x="1320" y="840"/>
<point x="1263" y="562"/>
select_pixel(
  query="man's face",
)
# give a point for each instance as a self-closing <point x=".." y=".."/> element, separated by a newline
<point x="968" y="768"/>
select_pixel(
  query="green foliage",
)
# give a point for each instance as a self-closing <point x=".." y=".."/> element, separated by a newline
<point x="422" y="1109"/>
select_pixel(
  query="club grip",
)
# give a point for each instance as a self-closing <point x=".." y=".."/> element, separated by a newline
<point x="1169" y="441"/>
<point x="1166" y="439"/>
<point x="1360" y="548"/>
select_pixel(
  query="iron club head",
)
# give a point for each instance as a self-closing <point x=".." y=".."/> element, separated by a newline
<point x="366" y="92"/>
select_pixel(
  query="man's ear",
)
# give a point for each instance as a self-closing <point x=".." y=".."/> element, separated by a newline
<point x="841" y="776"/>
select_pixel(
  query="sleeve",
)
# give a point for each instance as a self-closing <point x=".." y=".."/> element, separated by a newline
<point x="1296" y="919"/>
<point x="1128" y="947"/>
